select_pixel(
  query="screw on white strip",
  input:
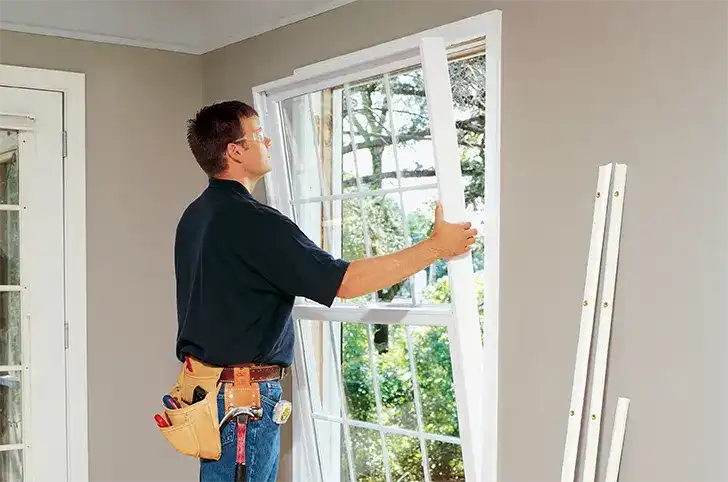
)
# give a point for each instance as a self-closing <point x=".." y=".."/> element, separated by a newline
<point x="615" y="450"/>
<point x="605" y="324"/>
<point x="586" y="326"/>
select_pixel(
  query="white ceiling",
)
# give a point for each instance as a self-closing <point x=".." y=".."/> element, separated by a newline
<point x="190" y="26"/>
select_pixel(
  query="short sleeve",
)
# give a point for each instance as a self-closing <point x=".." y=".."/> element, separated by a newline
<point x="275" y="247"/>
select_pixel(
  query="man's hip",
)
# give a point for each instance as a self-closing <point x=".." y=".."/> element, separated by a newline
<point x="209" y="406"/>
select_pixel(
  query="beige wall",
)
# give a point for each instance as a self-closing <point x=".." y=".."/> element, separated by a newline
<point x="585" y="83"/>
<point x="140" y="176"/>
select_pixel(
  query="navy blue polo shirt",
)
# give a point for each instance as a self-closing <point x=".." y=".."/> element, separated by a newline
<point x="239" y="265"/>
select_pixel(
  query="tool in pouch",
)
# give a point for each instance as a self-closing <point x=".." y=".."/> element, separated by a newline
<point x="242" y="404"/>
<point x="190" y="419"/>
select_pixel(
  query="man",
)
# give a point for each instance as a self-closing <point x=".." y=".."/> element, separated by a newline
<point x="240" y="264"/>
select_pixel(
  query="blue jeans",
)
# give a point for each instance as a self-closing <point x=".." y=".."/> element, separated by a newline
<point x="262" y="446"/>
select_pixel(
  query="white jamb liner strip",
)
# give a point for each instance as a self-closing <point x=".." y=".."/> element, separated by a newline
<point x="378" y="401"/>
<point x="605" y="324"/>
<point x="586" y="326"/>
<point x="615" y="450"/>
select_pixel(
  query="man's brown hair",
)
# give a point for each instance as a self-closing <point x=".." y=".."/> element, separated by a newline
<point x="212" y="129"/>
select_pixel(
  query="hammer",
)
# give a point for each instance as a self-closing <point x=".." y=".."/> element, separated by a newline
<point x="241" y="415"/>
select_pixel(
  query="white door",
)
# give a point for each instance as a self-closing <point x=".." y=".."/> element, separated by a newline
<point x="32" y="355"/>
<point x="388" y="387"/>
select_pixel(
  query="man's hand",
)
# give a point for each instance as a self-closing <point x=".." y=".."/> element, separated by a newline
<point x="451" y="239"/>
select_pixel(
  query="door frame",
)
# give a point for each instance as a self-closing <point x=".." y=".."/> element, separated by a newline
<point x="73" y="87"/>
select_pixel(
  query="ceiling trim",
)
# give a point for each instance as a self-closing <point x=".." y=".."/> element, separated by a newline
<point x="274" y="25"/>
<point x="98" y="37"/>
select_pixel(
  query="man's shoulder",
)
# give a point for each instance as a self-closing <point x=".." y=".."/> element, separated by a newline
<point x="244" y="209"/>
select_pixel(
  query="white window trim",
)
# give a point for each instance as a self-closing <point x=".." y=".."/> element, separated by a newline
<point x="377" y="60"/>
<point x="73" y="87"/>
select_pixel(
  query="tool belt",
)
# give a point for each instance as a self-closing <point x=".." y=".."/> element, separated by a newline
<point x="192" y="426"/>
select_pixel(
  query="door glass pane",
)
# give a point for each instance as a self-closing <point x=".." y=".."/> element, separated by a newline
<point x="9" y="248"/>
<point x="11" y="408"/>
<point x="11" y="465"/>
<point x="9" y="154"/>
<point x="10" y="328"/>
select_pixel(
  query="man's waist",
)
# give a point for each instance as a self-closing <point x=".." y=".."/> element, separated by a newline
<point x="257" y="372"/>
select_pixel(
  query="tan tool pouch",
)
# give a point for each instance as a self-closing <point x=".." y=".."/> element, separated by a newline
<point x="195" y="429"/>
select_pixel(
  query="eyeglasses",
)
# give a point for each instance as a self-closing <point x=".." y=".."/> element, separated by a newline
<point x="257" y="135"/>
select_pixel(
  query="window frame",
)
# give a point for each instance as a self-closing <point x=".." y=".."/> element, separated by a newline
<point x="373" y="61"/>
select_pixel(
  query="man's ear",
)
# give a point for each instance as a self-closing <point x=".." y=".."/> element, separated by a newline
<point x="234" y="151"/>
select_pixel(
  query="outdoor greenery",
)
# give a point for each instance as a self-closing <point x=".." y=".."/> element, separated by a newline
<point x="383" y="217"/>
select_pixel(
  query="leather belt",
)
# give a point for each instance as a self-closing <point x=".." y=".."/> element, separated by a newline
<point x="258" y="373"/>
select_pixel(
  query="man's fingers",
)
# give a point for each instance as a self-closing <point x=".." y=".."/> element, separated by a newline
<point x="472" y="232"/>
<point x="438" y="212"/>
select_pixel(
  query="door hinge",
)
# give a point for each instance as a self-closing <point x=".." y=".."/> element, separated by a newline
<point x="65" y="144"/>
<point x="65" y="335"/>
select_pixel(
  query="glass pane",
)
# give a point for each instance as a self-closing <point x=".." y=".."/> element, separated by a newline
<point x="322" y="371"/>
<point x="368" y="455"/>
<point x="467" y="79"/>
<point x="365" y="125"/>
<point x="9" y="153"/>
<point x="332" y="451"/>
<point x="446" y="462"/>
<point x="395" y="378"/>
<point x="11" y="408"/>
<point x="10" y="332"/>
<point x="412" y="127"/>
<point x="11" y="465"/>
<point x="405" y="458"/>
<point x="357" y="372"/>
<point x="434" y="375"/>
<point x="9" y="248"/>
<point x="308" y="144"/>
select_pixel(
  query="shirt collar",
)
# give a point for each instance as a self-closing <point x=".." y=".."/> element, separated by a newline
<point x="230" y="184"/>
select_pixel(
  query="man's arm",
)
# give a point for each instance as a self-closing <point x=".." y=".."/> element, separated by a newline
<point x="372" y="274"/>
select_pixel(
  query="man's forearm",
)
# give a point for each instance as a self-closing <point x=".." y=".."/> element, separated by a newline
<point x="372" y="274"/>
